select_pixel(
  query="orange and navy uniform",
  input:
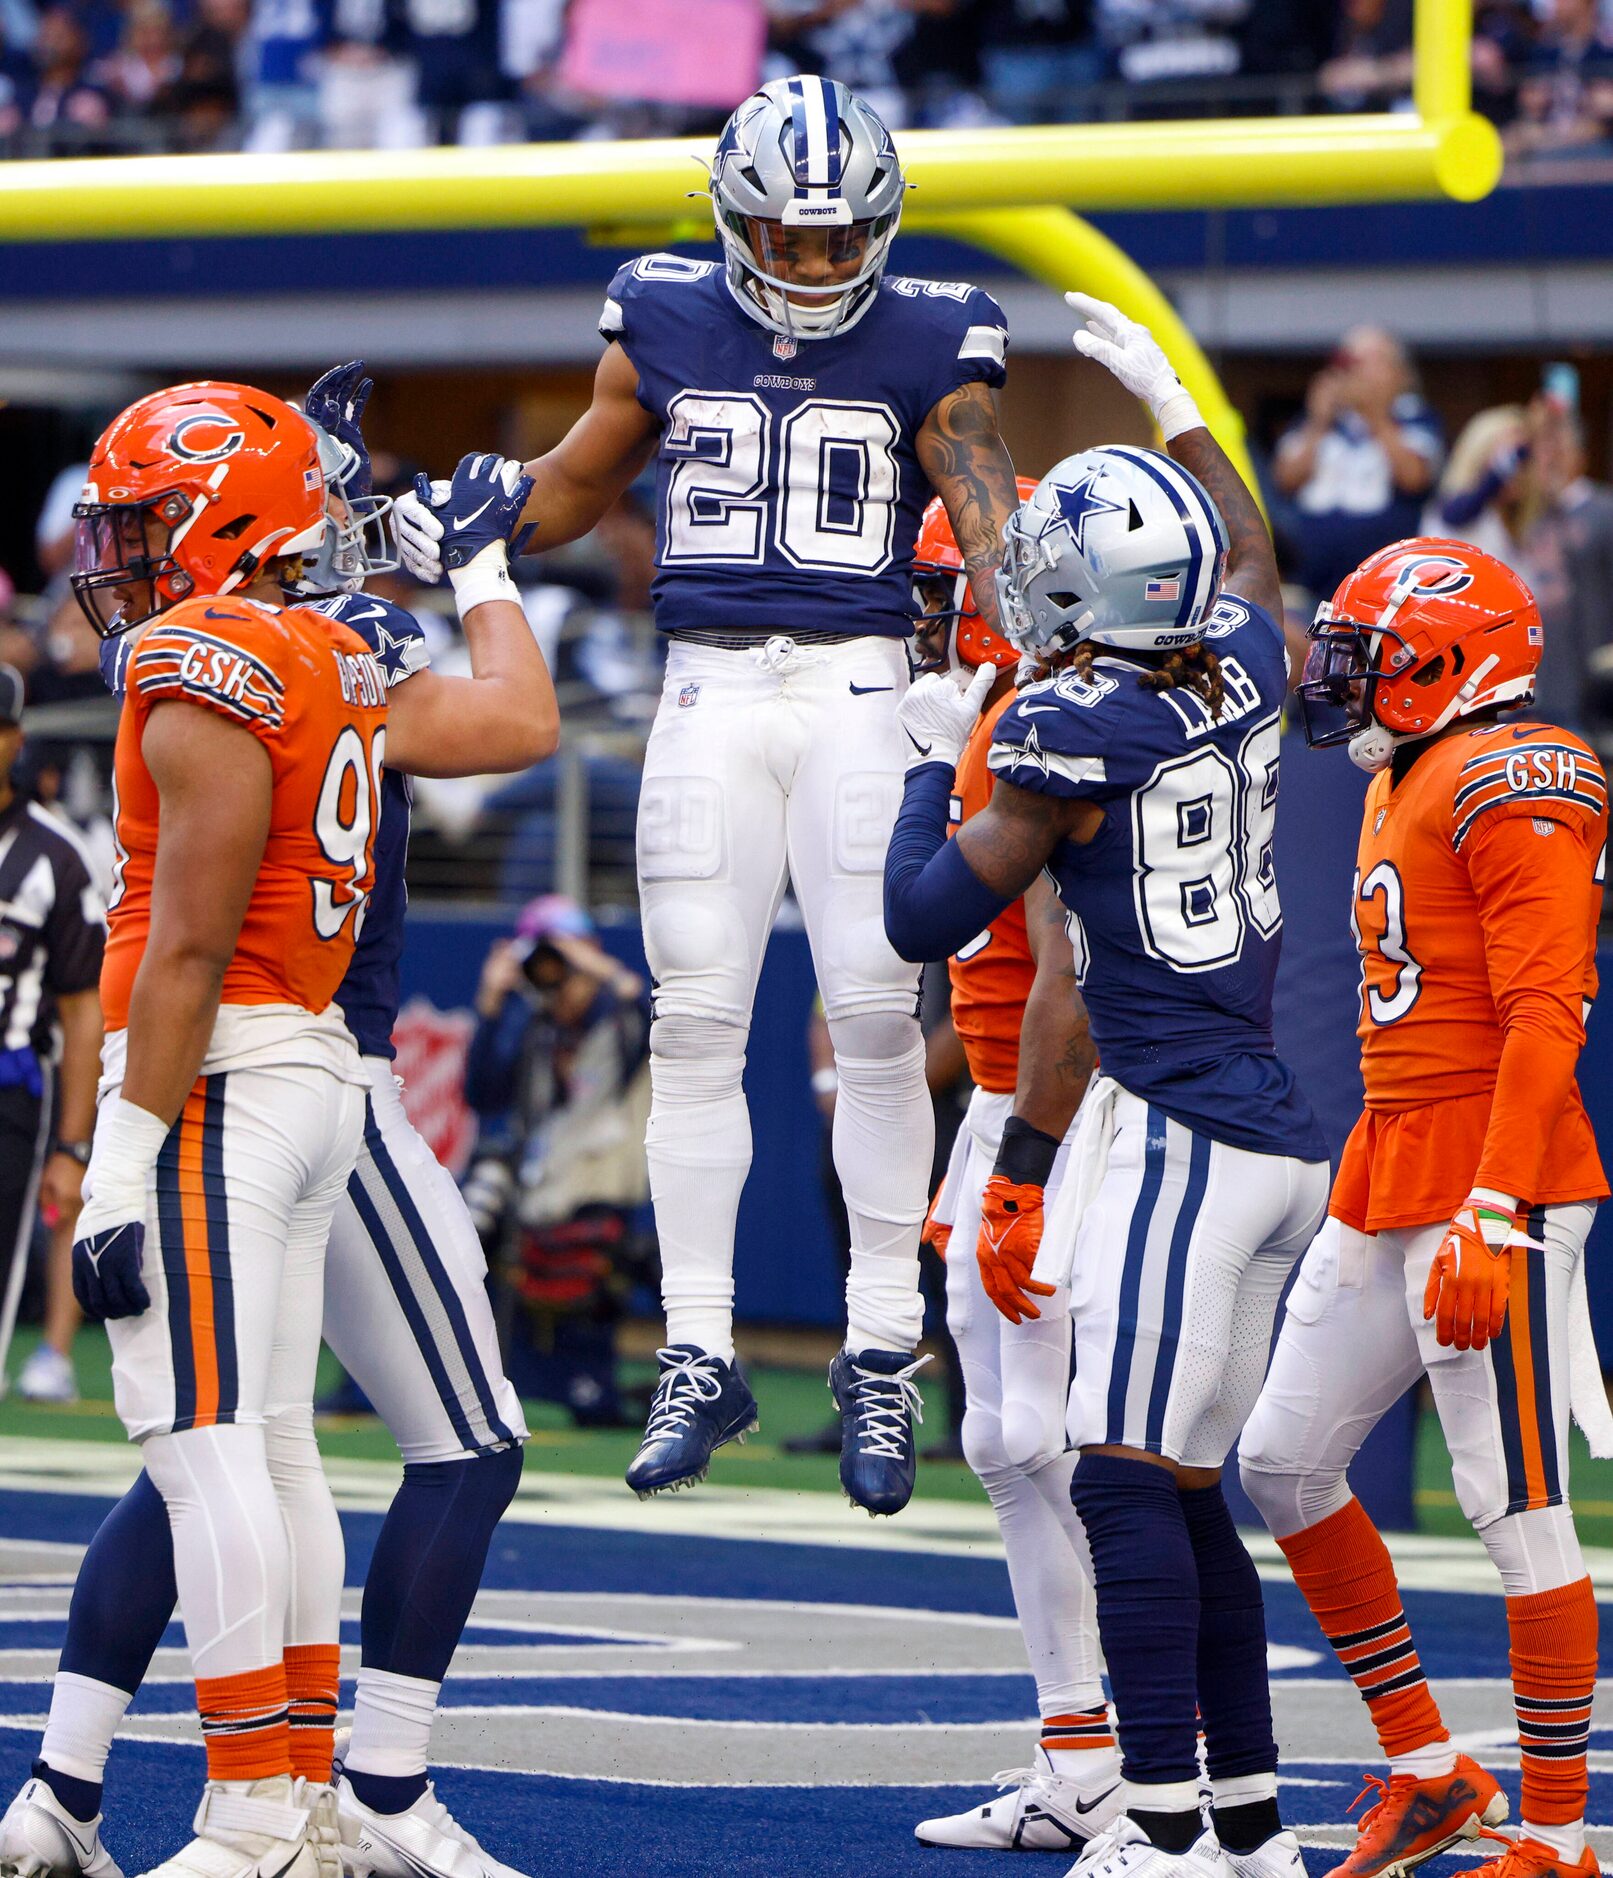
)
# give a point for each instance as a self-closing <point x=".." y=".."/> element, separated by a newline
<point x="992" y="976"/>
<point x="309" y="689"/>
<point x="1477" y="895"/>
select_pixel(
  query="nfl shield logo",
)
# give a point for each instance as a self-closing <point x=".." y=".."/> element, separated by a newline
<point x="690" y="694"/>
<point x="783" y="346"/>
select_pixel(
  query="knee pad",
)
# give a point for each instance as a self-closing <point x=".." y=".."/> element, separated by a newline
<point x="699" y="956"/>
<point x="982" y="1442"/>
<point x="1535" y="1551"/>
<point x="1289" y="1502"/>
<point x="874" y="1040"/>
<point x="1031" y="1439"/>
<point x="686" y="1039"/>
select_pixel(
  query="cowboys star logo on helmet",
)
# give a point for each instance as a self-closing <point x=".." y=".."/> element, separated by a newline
<point x="1079" y="503"/>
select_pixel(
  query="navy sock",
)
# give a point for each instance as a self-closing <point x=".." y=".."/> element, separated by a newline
<point x="125" y="1594"/>
<point x="387" y="1793"/>
<point x="1148" y="1611"/>
<point x="82" y="1798"/>
<point x="428" y="1561"/>
<point x="1234" y="1691"/>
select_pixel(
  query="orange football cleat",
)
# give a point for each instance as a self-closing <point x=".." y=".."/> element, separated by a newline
<point x="1529" y="1858"/>
<point x="1413" y="1819"/>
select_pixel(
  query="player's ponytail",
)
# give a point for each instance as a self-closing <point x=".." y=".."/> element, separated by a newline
<point x="1193" y="668"/>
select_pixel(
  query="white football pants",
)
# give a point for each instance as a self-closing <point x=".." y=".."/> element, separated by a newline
<point x="1354" y="1339"/>
<point x="1016" y="1378"/>
<point x="1179" y="1261"/>
<point x="779" y="762"/>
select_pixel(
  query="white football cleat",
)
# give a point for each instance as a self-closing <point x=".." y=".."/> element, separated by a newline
<point x="1126" y="1851"/>
<point x="424" y="1842"/>
<point x="1279" y="1857"/>
<point x="39" y="1838"/>
<point x="258" y="1829"/>
<point x="48" y="1376"/>
<point x="1044" y="1812"/>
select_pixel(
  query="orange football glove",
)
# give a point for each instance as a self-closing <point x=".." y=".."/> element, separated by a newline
<point x="1471" y="1275"/>
<point x="1010" y="1233"/>
<point x="936" y="1232"/>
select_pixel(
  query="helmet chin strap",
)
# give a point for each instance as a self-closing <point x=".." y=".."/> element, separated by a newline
<point x="1373" y="749"/>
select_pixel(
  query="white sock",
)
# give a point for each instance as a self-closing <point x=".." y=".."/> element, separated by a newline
<point x="1053" y="1595"/>
<point x="698" y="1146"/>
<point x="884" y="1142"/>
<point x="1245" y="1790"/>
<point x="1567" y="1841"/>
<point x="392" y="1717"/>
<point x="1428" y="1763"/>
<point x="84" y="1716"/>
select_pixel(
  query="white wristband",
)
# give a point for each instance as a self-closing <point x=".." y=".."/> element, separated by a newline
<point x="124" y="1151"/>
<point x="1177" y="413"/>
<point x="486" y="578"/>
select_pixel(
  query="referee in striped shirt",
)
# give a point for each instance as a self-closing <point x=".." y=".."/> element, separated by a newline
<point x="52" y="930"/>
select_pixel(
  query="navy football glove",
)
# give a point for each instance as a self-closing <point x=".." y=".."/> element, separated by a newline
<point x="485" y="500"/>
<point x="106" y="1271"/>
<point x="336" y="404"/>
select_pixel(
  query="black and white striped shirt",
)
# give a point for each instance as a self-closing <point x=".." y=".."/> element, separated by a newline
<point x="52" y="931"/>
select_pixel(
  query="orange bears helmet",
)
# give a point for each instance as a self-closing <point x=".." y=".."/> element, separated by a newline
<point x="192" y="490"/>
<point x="941" y="591"/>
<point x="1423" y="632"/>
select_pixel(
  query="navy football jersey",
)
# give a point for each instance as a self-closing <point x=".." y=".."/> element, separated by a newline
<point x="789" y="489"/>
<point x="368" y="995"/>
<point x="1173" y="905"/>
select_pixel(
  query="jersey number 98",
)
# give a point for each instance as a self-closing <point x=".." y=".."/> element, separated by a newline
<point x="344" y="819"/>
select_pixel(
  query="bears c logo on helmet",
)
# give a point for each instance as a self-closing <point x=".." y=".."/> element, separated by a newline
<point x="1433" y="574"/>
<point x="197" y="438"/>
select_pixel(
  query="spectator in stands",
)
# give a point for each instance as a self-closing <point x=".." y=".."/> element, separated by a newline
<point x="281" y="90"/>
<point x="1358" y="465"/>
<point x="1039" y="59"/>
<point x="1172" y="42"/>
<point x="856" y="41"/>
<point x="1568" y="561"/>
<point x="1565" y="98"/>
<point x="68" y="108"/>
<point x="367" y="81"/>
<point x="1488" y="493"/>
<point x="146" y="62"/>
<point x="462" y="90"/>
<point x="1370" y="69"/>
<point x="558" y="1074"/>
<point x="203" y="103"/>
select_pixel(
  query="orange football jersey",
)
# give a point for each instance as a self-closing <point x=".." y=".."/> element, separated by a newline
<point x="310" y="691"/>
<point x="1477" y="893"/>
<point x="992" y="975"/>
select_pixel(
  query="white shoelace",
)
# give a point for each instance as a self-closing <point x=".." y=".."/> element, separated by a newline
<point x="884" y="1404"/>
<point x="1007" y="1777"/>
<point x="687" y="1383"/>
<point x="438" y="1815"/>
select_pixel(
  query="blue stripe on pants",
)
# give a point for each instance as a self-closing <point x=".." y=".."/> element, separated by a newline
<point x="1187" y="1218"/>
<point x="1132" y="1278"/>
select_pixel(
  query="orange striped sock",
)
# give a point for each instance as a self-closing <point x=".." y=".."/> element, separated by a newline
<point x="312" y="1679"/>
<point x="1553" y="1679"/>
<point x="1344" y="1570"/>
<point x="245" y="1724"/>
<point x="1086" y="1729"/>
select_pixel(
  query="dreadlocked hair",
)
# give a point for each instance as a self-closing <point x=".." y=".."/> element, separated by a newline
<point x="1193" y="668"/>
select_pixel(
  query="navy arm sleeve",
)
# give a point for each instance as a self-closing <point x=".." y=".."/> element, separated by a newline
<point x="934" y="901"/>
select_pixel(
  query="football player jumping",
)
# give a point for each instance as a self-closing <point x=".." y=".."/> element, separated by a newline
<point x="1024" y="1030"/>
<point x="800" y="406"/>
<point x="1456" y="1240"/>
<point x="1143" y="775"/>
<point x="406" y="1307"/>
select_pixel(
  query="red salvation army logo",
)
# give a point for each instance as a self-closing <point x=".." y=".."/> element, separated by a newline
<point x="431" y="1047"/>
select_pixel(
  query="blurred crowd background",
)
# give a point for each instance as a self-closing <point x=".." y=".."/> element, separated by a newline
<point x="96" y="76"/>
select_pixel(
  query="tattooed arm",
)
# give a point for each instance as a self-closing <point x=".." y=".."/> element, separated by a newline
<point x="967" y="462"/>
<point x="1056" y="1056"/>
<point x="1251" y="559"/>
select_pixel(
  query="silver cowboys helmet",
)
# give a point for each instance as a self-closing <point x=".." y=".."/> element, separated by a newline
<point x="1118" y="545"/>
<point x="355" y="543"/>
<point x="807" y="194"/>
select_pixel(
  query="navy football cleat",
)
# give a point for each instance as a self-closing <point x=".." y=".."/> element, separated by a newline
<point x="878" y="1402"/>
<point x="700" y="1402"/>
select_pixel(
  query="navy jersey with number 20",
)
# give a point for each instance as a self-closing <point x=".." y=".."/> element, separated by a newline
<point x="789" y="487"/>
<point x="1173" y="904"/>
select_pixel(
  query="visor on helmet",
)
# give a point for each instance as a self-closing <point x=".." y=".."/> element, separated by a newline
<point x="808" y="279"/>
<point x="1341" y="676"/>
<point x="124" y="568"/>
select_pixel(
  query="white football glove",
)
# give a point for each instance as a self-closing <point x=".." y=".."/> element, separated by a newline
<point x="939" y="711"/>
<point x="1137" y="359"/>
<point x="418" y="533"/>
